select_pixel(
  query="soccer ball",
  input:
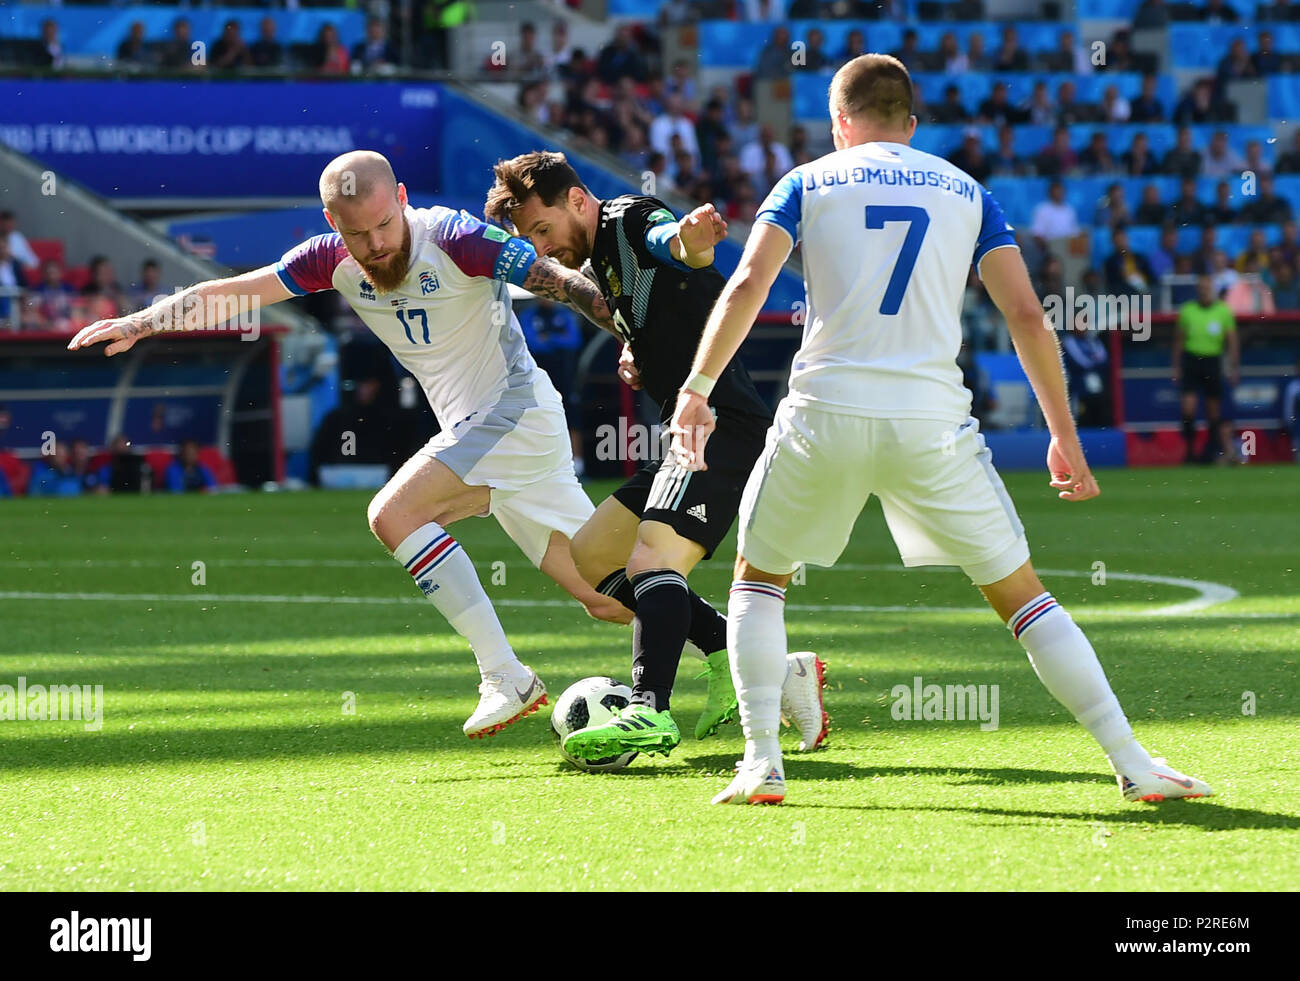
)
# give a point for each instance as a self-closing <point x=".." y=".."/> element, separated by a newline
<point x="590" y="702"/>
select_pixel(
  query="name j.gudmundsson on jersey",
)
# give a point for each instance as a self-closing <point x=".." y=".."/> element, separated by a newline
<point x="132" y="934"/>
<point x="861" y="174"/>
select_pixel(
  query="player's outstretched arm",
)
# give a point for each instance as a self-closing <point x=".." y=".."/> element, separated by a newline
<point x="547" y="278"/>
<point x="729" y="324"/>
<point x="1007" y="281"/>
<point x="201" y="306"/>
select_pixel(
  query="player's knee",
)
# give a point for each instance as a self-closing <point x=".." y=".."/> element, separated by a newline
<point x="376" y="516"/>
<point x="751" y="573"/>
<point x="660" y="547"/>
<point x="645" y="558"/>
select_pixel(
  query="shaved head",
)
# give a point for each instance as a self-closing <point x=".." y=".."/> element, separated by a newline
<point x="353" y="176"/>
<point x="366" y="206"/>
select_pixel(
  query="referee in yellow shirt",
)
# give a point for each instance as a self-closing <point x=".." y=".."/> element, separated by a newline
<point x="1205" y="327"/>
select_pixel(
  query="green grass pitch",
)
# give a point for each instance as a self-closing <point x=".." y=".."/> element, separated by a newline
<point x="226" y="759"/>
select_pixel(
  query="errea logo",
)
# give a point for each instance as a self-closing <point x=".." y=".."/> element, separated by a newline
<point x="367" y="290"/>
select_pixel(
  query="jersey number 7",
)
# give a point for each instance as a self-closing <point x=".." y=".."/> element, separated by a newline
<point x="918" y="221"/>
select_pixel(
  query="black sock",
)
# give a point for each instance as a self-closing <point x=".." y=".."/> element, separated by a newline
<point x="616" y="585"/>
<point x="663" y="614"/>
<point x="1213" y="443"/>
<point x="1189" y="437"/>
<point x="708" y="627"/>
<point x="708" y="630"/>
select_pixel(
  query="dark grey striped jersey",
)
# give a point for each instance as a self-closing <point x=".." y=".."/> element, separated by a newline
<point x="661" y="305"/>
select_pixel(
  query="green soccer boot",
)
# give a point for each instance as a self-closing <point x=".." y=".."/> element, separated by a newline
<point x="637" y="728"/>
<point x="721" y="705"/>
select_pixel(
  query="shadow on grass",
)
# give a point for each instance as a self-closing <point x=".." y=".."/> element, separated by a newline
<point x="811" y="768"/>
<point x="1209" y="815"/>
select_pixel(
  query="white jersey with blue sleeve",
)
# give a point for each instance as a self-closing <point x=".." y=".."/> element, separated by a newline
<point x="449" y="323"/>
<point x="888" y="234"/>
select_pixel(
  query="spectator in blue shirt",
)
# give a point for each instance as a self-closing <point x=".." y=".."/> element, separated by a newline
<point x="375" y="52"/>
<point x="186" y="473"/>
<point x="64" y="473"/>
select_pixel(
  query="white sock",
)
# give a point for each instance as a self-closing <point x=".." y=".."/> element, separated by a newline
<point x="1067" y="666"/>
<point x="757" y="645"/>
<point x="446" y="576"/>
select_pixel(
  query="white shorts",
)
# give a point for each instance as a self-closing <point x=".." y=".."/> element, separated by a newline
<point x="520" y="448"/>
<point x="943" y="501"/>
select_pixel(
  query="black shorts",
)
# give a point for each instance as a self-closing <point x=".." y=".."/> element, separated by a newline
<point x="699" y="505"/>
<point x="1203" y="375"/>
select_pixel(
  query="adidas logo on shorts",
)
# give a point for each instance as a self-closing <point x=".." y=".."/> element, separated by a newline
<point x="697" y="512"/>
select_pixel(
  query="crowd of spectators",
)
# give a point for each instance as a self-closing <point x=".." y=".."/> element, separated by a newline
<point x="43" y="295"/>
<point x="705" y="145"/>
<point x="72" y="468"/>
<point x="708" y="144"/>
<point x="231" y="51"/>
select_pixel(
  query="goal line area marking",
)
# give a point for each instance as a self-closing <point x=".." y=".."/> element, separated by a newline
<point x="1208" y="594"/>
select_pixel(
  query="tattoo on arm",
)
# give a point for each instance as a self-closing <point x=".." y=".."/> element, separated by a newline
<point x="547" y="278"/>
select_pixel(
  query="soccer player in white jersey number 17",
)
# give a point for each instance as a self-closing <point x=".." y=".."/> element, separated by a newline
<point x="431" y="284"/>
<point x="876" y="405"/>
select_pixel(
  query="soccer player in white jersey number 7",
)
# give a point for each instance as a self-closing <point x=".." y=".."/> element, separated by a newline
<point x="431" y="284"/>
<point x="876" y="406"/>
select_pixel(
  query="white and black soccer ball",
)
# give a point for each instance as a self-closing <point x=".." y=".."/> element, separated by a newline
<point x="590" y="702"/>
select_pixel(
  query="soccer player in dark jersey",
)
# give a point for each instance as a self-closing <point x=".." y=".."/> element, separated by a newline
<point x="657" y="276"/>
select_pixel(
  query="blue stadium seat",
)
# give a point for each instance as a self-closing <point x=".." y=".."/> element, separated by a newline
<point x="1017" y="196"/>
<point x="737" y="44"/>
<point x="643" y="9"/>
<point x="1238" y="135"/>
<point x="1284" y="97"/>
<point x="809" y="96"/>
<point x="1288" y="186"/>
<point x="1144" y="239"/>
<point x="732" y="44"/>
<point x="1113" y="9"/>
<point x="879" y="35"/>
<point x="1202" y="45"/>
<point x="975" y="87"/>
<point x="99" y="30"/>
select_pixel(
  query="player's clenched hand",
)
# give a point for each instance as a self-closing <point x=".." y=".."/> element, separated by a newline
<point x="691" y="427"/>
<point x="627" y="369"/>
<point x="1069" y="470"/>
<point x="122" y="334"/>
<point x="702" y="229"/>
<point x="601" y="607"/>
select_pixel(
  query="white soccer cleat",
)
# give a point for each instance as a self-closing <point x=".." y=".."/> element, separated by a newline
<point x="802" y="705"/>
<point x="1161" y="782"/>
<point x="505" y="698"/>
<point x="761" y="782"/>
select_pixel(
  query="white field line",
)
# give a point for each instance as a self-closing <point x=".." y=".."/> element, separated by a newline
<point x="1208" y="594"/>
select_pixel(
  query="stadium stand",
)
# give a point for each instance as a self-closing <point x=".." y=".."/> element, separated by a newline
<point x="1122" y="101"/>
